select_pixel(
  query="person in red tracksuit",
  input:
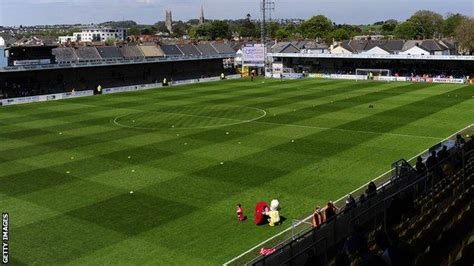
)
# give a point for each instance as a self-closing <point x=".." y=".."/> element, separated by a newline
<point x="240" y="213"/>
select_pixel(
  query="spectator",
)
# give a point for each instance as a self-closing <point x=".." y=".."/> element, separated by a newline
<point x="448" y="169"/>
<point x="350" y="202"/>
<point x="460" y="141"/>
<point x="469" y="144"/>
<point x="318" y="217"/>
<point x="443" y="154"/>
<point x="342" y="260"/>
<point x="364" y="257"/>
<point x="355" y="241"/>
<point x="432" y="161"/>
<point x="420" y="166"/>
<point x="371" y="190"/>
<point x="362" y="198"/>
<point x="390" y="254"/>
<point x="406" y="251"/>
<point x="396" y="209"/>
<point x="330" y="211"/>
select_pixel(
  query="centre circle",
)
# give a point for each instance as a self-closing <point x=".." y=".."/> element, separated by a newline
<point x="190" y="117"/>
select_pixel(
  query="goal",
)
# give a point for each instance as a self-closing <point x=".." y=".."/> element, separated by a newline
<point x="370" y="73"/>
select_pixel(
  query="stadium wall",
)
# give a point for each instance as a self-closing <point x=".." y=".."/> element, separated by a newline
<point x="388" y="78"/>
<point x="40" y="82"/>
<point x="44" y="98"/>
<point x="69" y="95"/>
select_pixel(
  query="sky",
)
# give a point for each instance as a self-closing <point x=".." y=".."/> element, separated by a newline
<point x="35" y="12"/>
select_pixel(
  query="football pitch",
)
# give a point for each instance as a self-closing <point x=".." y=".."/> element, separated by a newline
<point x="190" y="153"/>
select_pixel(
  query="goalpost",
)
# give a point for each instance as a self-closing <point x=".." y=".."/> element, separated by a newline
<point x="370" y="73"/>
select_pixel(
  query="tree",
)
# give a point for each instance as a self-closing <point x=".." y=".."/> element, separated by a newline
<point x="406" y="30"/>
<point x="72" y="30"/>
<point x="119" y="24"/>
<point x="211" y="31"/>
<point x="428" y="23"/>
<point x="389" y="26"/>
<point x="465" y="35"/>
<point x="316" y="27"/>
<point x="272" y="29"/>
<point x="201" y="31"/>
<point x="352" y="30"/>
<point x="193" y="21"/>
<point x="247" y="28"/>
<point x="133" y="31"/>
<point x="292" y="30"/>
<point x="161" y="27"/>
<point x="371" y="29"/>
<point x="110" y="41"/>
<point x="148" y="31"/>
<point x="193" y="32"/>
<point x="451" y="23"/>
<point x="179" y="29"/>
<point x="220" y="30"/>
<point x="338" y="35"/>
<point x="282" y="33"/>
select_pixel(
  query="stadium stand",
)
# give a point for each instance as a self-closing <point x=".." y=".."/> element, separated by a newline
<point x="109" y="52"/>
<point x="189" y="50"/>
<point x="88" y="53"/>
<point x="415" y="219"/>
<point x="65" y="55"/>
<point x="171" y="50"/>
<point x="151" y="51"/>
<point x="223" y="48"/>
<point x="207" y="49"/>
<point x="131" y="52"/>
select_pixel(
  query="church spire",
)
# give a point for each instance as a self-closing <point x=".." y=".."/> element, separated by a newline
<point x="201" y="18"/>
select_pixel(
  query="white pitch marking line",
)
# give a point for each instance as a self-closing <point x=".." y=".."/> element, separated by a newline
<point x="237" y="121"/>
<point x="341" y="198"/>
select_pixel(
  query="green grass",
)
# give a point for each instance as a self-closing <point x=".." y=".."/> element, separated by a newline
<point x="67" y="167"/>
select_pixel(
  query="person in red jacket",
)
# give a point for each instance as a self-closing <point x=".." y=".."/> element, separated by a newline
<point x="240" y="213"/>
<point x="318" y="217"/>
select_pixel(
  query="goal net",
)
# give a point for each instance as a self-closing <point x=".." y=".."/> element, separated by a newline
<point x="371" y="73"/>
